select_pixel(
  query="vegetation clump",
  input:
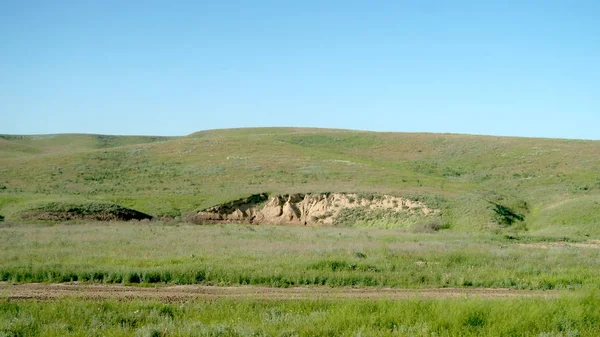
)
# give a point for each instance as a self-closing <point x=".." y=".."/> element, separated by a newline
<point x="430" y="226"/>
<point x="230" y="207"/>
<point x="505" y="215"/>
<point x="93" y="210"/>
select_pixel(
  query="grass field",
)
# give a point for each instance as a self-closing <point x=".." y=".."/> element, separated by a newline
<point x="155" y="253"/>
<point x="515" y="213"/>
<point x="567" y="316"/>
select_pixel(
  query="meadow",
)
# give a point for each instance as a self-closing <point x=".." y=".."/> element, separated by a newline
<point x="179" y="253"/>
<point x="566" y="316"/>
<point x="521" y="214"/>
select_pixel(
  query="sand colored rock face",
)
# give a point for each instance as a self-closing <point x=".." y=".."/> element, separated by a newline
<point x="304" y="209"/>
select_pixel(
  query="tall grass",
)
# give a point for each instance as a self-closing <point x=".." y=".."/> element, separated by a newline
<point x="150" y="253"/>
<point x="573" y="316"/>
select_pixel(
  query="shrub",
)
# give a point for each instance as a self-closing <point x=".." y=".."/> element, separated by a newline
<point x="369" y="196"/>
<point x="60" y="211"/>
<point x="430" y="226"/>
<point x="475" y="318"/>
<point x="505" y="216"/>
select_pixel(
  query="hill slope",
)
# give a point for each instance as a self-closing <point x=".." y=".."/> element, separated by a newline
<point x="480" y="182"/>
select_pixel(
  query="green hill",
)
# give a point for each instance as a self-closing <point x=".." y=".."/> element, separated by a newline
<point x="479" y="182"/>
<point x="19" y="146"/>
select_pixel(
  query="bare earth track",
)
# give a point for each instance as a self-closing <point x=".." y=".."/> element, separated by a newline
<point x="42" y="291"/>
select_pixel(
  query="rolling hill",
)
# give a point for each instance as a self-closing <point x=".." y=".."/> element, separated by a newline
<point x="479" y="182"/>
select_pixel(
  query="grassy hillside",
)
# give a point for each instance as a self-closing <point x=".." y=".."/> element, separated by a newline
<point x="480" y="182"/>
<point x="19" y="146"/>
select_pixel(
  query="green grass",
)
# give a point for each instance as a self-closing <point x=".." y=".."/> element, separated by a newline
<point x="155" y="253"/>
<point x="516" y="213"/>
<point x="24" y="146"/>
<point x="172" y="176"/>
<point x="567" y="316"/>
<point x="577" y="215"/>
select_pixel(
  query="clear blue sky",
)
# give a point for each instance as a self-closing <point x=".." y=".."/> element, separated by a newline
<point x="526" y="68"/>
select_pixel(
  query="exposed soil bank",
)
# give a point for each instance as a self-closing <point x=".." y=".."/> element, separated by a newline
<point x="306" y="209"/>
<point x="39" y="291"/>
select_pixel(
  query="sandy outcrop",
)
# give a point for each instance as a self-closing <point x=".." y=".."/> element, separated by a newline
<point x="304" y="209"/>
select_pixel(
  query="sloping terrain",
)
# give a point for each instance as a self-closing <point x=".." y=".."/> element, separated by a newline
<point x="478" y="182"/>
<point x="31" y="145"/>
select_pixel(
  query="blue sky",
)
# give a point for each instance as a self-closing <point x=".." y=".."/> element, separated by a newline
<point x="517" y="68"/>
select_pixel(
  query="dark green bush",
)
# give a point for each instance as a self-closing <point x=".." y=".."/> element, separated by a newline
<point x="430" y="226"/>
<point x="505" y="215"/>
<point x="61" y="211"/>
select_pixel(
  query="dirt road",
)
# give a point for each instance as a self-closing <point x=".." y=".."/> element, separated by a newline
<point x="42" y="291"/>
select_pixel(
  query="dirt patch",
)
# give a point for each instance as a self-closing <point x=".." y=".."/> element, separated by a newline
<point x="40" y="291"/>
<point x="593" y="244"/>
<point x="100" y="211"/>
<point x="305" y="209"/>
